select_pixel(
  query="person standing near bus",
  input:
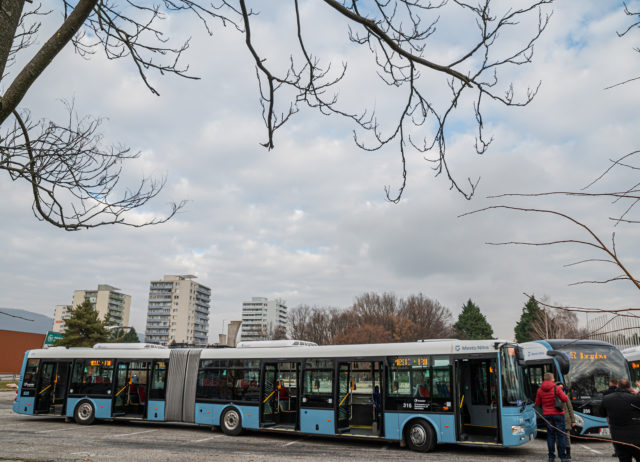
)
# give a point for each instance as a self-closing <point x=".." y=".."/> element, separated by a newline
<point x="553" y="417"/>
<point x="569" y="422"/>
<point x="623" y="410"/>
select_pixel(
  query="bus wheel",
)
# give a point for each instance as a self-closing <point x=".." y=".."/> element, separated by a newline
<point x="419" y="436"/>
<point x="84" y="414"/>
<point x="231" y="422"/>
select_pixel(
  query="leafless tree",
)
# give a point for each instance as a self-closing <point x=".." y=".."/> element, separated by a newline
<point x="623" y="198"/>
<point x="372" y="318"/>
<point x="74" y="175"/>
<point x="399" y="35"/>
<point x="430" y="318"/>
<point x="555" y="322"/>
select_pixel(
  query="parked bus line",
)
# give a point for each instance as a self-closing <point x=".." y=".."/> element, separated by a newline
<point x="421" y="394"/>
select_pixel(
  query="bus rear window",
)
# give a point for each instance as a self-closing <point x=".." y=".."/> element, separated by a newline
<point x="30" y="373"/>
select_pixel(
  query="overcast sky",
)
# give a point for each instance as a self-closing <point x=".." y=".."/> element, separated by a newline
<point x="308" y="221"/>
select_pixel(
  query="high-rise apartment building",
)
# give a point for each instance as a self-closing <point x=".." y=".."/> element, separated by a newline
<point x="60" y="317"/>
<point x="107" y="301"/>
<point x="262" y="318"/>
<point x="178" y="311"/>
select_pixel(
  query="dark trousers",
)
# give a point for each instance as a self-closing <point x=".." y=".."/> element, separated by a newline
<point x="555" y="435"/>
<point x="627" y="453"/>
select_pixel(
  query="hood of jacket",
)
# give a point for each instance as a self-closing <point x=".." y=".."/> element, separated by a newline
<point x="547" y="385"/>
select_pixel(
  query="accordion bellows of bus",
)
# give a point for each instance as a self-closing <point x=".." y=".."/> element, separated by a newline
<point x="419" y="394"/>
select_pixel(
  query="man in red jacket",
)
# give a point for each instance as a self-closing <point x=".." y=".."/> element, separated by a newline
<point x="554" y="418"/>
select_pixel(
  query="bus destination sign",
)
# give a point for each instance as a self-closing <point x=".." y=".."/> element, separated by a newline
<point x="588" y="356"/>
<point x="411" y="361"/>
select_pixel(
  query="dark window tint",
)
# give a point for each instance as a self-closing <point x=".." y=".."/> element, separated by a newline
<point x="30" y="374"/>
<point x="228" y="384"/>
<point x="92" y="377"/>
<point x="158" y="380"/>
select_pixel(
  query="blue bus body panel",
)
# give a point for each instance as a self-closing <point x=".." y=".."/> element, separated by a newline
<point x="209" y="414"/>
<point x="23" y="404"/>
<point x="317" y="421"/>
<point x="155" y="411"/>
<point x="512" y="416"/>
<point x="591" y="421"/>
<point x="444" y="425"/>
<point x="101" y="406"/>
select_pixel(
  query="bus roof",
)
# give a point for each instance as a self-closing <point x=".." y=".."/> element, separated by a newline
<point x="631" y="354"/>
<point x="444" y="347"/>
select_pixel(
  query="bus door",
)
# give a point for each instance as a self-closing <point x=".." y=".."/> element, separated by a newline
<point x="358" y="399"/>
<point x="130" y="396"/>
<point x="343" y="403"/>
<point x="288" y="391"/>
<point x="477" y="400"/>
<point x="269" y="395"/>
<point x="51" y="393"/>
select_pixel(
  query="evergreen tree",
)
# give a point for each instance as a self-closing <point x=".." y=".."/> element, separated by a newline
<point x="472" y="324"/>
<point x="121" y="335"/>
<point x="84" y="329"/>
<point x="530" y="312"/>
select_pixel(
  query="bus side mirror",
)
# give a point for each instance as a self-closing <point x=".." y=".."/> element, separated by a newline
<point x="520" y="355"/>
<point x="561" y="358"/>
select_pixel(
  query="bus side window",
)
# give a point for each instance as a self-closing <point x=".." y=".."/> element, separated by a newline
<point x="158" y="380"/>
<point x="441" y="396"/>
<point x="92" y="377"/>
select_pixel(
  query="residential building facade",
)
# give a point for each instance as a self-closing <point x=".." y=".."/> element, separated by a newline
<point x="178" y="311"/>
<point x="108" y="301"/>
<point x="60" y="317"/>
<point x="262" y="318"/>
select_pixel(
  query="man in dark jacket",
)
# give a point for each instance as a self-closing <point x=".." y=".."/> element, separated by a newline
<point x="613" y="386"/>
<point x="623" y="410"/>
<point x="553" y="417"/>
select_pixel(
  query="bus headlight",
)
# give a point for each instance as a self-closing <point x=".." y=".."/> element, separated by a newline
<point x="517" y="429"/>
<point x="579" y="420"/>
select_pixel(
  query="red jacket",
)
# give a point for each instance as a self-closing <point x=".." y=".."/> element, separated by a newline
<point x="546" y="400"/>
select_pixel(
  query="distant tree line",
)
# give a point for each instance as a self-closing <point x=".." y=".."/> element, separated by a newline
<point x="375" y="318"/>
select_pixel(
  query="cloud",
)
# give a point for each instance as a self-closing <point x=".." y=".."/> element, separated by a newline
<point x="308" y="220"/>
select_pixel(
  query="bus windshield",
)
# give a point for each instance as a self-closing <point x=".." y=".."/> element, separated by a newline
<point x="512" y="393"/>
<point x="591" y="368"/>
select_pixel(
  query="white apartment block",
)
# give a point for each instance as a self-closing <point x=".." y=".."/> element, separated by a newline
<point x="178" y="311"/>
<point x="261" y="318"/>
<point x="107" y="301"/>
<point x="60" y="317"/>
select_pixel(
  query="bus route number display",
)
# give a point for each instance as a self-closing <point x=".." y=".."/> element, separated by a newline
<point x="411" y="361"/>
<point x="635" y="365"/>
<point x="100" y="362"/>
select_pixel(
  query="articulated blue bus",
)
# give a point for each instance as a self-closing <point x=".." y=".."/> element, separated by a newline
<point x="420" y="394"/>
<point x="584" y="367"/>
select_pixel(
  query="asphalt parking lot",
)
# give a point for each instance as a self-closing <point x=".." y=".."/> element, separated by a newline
<point x="52" y="439"/>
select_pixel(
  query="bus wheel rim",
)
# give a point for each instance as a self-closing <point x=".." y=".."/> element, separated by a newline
<point x="418" y="435"/>
<point x="84" y="411"/>
<point x="231" y="420"/>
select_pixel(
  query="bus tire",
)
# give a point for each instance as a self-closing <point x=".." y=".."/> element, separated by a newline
<point x="231" y="422"/>
<point x="84" y="413"/>
<point x="419" y="436"/>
